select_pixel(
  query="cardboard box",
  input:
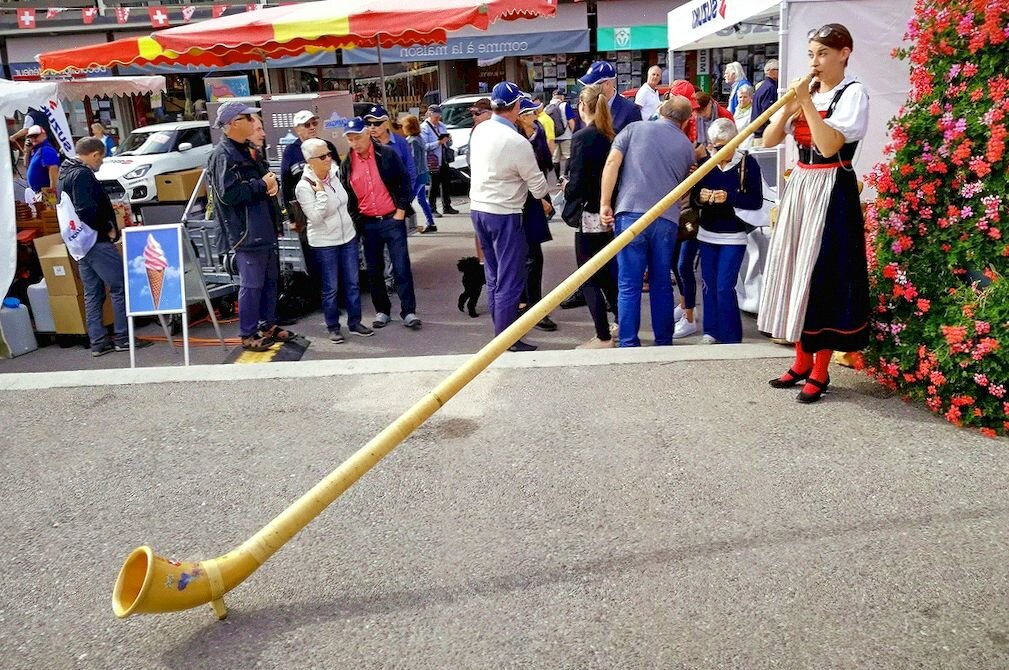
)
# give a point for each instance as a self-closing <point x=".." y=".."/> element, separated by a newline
<point x="59" y="269"/>
<point x="68" y="314"/>
<point x="178" y="186"/>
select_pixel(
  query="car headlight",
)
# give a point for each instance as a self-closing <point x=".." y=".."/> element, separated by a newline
<point x="138" y="172"/>
<point x="463" y="151"/>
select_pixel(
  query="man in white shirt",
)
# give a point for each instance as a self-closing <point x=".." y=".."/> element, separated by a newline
<point x="503" y="171"/>
<point x="647" y="97"/>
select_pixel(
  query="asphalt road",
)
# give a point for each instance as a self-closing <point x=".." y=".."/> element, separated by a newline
<point x="677" y="515"/>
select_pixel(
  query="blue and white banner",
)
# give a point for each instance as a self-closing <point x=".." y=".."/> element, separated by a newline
<point x="484" y="47"/>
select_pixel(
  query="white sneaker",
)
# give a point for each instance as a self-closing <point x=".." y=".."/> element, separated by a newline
<point x="708" y="339"/>
<point x="684" y="328"/>
<point x="678" y="314"/>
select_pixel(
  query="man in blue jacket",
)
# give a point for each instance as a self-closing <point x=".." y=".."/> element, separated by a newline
<point x="622" y="110"/>
<point x="242" y="192"/>
<point x="766" y="95"/>
<point x="379" y="192"/>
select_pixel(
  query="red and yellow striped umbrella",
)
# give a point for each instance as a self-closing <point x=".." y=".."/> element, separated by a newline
<point x="297" y="29"/>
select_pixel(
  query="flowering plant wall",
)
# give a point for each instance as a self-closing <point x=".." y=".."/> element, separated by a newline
<point x="938" y="231"/>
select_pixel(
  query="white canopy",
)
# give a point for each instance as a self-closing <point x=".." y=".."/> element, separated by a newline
<point x="18" y="96"/>
<point x="690" y="23"/>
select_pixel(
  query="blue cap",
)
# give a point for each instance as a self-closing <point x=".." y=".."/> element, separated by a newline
<point x="355" y="126"/>
<point x="505" y="94"/>
<point x="377" y="112"/>
<point x="598" y="71"/>
<point x="528" y="106"/>
<point x="227" y="112"/>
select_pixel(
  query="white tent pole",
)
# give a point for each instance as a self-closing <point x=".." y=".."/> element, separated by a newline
<point x="381" y="70"/>
<point x="782" y="86"/>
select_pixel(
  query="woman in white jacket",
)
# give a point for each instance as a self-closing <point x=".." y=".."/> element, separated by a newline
<point x="331" y="236"/>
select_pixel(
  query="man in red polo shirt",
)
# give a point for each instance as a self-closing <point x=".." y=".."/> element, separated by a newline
<point x="379" y="192"/>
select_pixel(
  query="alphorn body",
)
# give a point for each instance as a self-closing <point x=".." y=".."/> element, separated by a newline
<point x="150" y="584"/>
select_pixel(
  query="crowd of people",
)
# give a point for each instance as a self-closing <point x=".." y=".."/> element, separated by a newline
<point x="608" y="159"/>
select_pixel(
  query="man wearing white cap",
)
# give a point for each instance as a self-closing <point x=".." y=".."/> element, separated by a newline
<point x="43" y="169"/>
<point x="503" y="171"/>
<point x="292" y="163"/>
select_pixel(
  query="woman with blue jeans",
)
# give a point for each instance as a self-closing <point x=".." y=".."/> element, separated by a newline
<point x="721" y="238"/>
<point x="411" y="126"/>
<point x="331" y="236"/>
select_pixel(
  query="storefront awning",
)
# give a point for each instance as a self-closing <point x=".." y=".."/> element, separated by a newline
<point x="689" y="25"/>
<point x="482" y="47"/>
<point x="624" y="38"/>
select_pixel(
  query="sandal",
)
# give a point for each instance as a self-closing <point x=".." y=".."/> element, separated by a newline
<point x="277" y="333"/>
<point x="257" y="343"/>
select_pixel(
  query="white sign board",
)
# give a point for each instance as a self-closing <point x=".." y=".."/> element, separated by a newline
<point x="693" y="21"/>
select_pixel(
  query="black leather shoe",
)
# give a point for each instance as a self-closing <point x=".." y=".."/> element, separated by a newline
<point x="435" y="213"/>
<point x="573" y="301"/>
<point x="547" y="324"/>
<point x="796" y="377"/>
<point x="451" y="210"/>
<point x="807" y="398"/>
<point x="522" y="346"/>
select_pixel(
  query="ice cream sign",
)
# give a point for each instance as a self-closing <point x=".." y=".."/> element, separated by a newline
<point x="154" y="270"/>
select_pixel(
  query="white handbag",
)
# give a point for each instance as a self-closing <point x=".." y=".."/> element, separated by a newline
<point x="78" y="236"/>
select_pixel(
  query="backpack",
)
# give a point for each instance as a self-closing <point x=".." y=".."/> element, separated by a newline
<point x="557" y="116"/>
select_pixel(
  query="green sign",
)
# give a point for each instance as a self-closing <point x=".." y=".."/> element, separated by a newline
<point x="625" y="38"/>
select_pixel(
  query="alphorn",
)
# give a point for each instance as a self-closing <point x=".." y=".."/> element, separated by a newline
<point x="150" y="584"/>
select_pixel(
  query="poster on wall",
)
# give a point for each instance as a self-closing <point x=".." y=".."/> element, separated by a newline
<point x="226" y="87"/>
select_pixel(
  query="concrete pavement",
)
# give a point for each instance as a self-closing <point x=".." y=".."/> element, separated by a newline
<point x="653" y="512"/>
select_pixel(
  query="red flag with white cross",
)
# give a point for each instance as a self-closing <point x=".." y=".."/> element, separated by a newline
<point x="26" y="18"/>
<point x="158" y="16"/>
<point x="88" y="15"/>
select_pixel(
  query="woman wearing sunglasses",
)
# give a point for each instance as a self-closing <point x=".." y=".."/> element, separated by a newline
<point x="816" y="288"/>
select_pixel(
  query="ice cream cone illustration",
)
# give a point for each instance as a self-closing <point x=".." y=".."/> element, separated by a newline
<point x="155" y="263"/>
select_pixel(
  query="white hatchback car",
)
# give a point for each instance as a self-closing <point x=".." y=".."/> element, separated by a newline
<point x="150" y="151"/>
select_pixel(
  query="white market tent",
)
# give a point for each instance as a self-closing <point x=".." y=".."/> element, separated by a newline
<point x="877" y="26"/>
<point x="18" y="96"/>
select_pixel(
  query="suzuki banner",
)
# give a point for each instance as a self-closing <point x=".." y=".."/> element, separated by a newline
<point x="61" y="128"/>
<point x="695" y="20"/>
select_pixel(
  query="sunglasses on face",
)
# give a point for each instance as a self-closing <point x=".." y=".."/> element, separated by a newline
<point x="375" y="124"/>
<point x="825" y="31"/>
<point x="311" y="124"/>
<point x="323" y="157"/>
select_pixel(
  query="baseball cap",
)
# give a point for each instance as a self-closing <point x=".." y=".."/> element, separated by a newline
<point x="528" y="106"/>
<point x="505" y="94"/>
<point x="686" y="89"/>
<point x="229" y="111"/>
<point x="480" y="106"/>
<point x="35" y="130"/>
<point x="304" y="116"/>
<point x="434" y="109"/>
<point x="598" y="71"/>
<point x="355" y="126"/>
<point x="377" y="112"/>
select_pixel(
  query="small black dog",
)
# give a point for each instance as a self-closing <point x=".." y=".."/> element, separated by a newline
<point x="472" y="283"/>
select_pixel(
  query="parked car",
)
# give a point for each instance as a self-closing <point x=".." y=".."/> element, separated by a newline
<point x="154" y="150"/>
<point x="457" y="118"/>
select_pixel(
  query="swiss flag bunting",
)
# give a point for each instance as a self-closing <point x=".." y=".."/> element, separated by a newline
<point x="26" y="18"/>
<point x="187" y="13"/>
<point x="252" y="7"/>
<point x="88" y="15"/>
<point x="158" y="16"/>
<point x="218" y="10"/>
<point x="122" y="14"/>
<point x="53" y="12"/>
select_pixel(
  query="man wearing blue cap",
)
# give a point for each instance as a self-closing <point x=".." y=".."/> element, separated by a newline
<point x="622" y="110"/>
<point x="243" y="191"/>
<point x="378" y="124"/>
<point x="379" y="193"/>
<point x="503" y="172"/>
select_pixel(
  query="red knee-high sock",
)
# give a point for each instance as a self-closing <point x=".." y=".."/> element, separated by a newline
<point x="819" y="373"/>
<point x="803" y="361"/>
